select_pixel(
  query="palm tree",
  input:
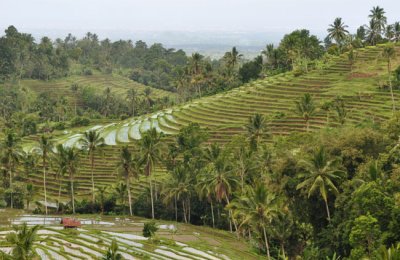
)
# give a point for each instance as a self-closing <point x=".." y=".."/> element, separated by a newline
<point x="75" y="88"/>
<point x="121" y="191"/>
<point x="206" y="189"/>
<point x="256" y="128"/>
<point x="45" y="146"/>
<point x="22" y="240"/>
<point x="30" y="192"/>
<point x="151" y="150"/>
<point x="378" y="15"/>
<point x="337" y="31"/>
<point x="341" y="111"/>
<point x="389" y="53"/>
<point x="112" y="252"/>
<point x="305" y="108"/>
<point x="11" y="153"/>
<point x="320" y="175"/>
<point x="125" y="166"/>
<point x="71" y="163"/>
<point x="232" y="58"/>
<point x="389" y="32"/>
<point x="351" y="57"/>
<point x="373" y="33"/>
<point x="101" y="191"/>
<point x="91" y="142"/>
<point x="131" y="96"/>
<point x="396" y="30"/>
<point x="60" y="163"/>
<point x="257" y="208"/>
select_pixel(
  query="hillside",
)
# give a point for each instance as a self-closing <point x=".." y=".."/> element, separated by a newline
<point x="225" y="114"/>
<point x="62" y="87"/>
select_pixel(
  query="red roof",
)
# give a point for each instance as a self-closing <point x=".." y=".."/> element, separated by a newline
<point x="70" y="222"/>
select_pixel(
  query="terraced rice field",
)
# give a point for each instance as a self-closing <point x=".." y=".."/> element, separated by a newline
<point x="225" y="114"/>
<point x="118" y="85"/>
<point x="93" y="239"/>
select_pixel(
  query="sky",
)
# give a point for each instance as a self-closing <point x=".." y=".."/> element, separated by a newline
<point x="277" y="16"/>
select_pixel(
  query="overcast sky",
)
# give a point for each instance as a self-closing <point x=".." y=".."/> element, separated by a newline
<point x="188" y="15"/>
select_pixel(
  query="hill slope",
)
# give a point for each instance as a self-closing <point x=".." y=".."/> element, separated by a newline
<point x="225" y="114"/>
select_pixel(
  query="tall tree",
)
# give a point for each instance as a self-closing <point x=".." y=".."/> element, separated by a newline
<point x="256" y="129"/>
<point x="151" y="149"/>
<point x="337" y="31"/>
<point x="396" y="30"/>
<point x="11" y="153"/>
<point x="127" y="169"/>
<point x="59" y="162"/>
<point x="232" y="58"/>
<point x="132" y="97"/>
<point x="72" y="161"/>
<point x="389" y="53"/>
<point x="305" y="108"/>
<point x="46" y="146"/>
<point x="257" y="208"/>
<point x="320" y="175"/>
<point x="91" y="142"/>
<point x="378" y="15"/>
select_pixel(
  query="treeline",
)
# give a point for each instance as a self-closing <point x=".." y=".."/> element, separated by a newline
<point x="312" y="195"/>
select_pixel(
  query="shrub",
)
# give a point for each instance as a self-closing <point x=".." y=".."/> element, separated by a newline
<point x="79" y="121"/>
<point x="149" y="229"/>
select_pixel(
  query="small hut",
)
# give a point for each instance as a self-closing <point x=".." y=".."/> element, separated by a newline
<point x="70" y="223"/>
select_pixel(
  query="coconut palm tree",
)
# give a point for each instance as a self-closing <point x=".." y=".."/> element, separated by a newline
<point x="45" y="147"/>
<point x="91" y="142"/>
<point x="30" y="192"/>
<point x="232" y="58"/>
<point x="101" y="192"/>
<point x="305" y="108"/>
<point x="256" y="128"/>
<point x="112" y="252"/>
<point x="257" y="208"/>
<point x="11" y="156"/>
<point x="378" y="15"/>
<point x="59" y="162"/>
<point x="121" y="191"/>
<point x="22" y="241"/>
<point x="74" y="89"/>
<point x="125" y="166"/>
<point x="320" y="175"/>
<point x="389" y="32"/>
<point x="337" y="31"/>
<point x="373" y="33"/>
<point x="396" y="30"/>
<point x="151" y="149"/>
<point x="340" y="109"/>
<point x="71" y="163"/>
<point x="389" y="53"/>
<point x="132" y="97"/>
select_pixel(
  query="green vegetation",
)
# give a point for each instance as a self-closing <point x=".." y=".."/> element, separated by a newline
<point x="240" y="160"/>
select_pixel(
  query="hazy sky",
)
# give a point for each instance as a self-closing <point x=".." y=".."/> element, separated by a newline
<point x="188" y="15"/>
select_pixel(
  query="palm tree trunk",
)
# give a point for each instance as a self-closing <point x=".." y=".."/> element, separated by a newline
<point x="231" y="216"/>
<point x="129" y="196"/>
<point x="59" y="194"/>
<point x="390" y="86"/>
<point x="327" y="210"/>
<point x="307" y="125"/>
<point x="92" y="169"/>
<point x="184" y="211"/>
<point x="72" y="195"/>
<point x="44" y="182"/>
<point x="283" y="250"/>
<point x="212" y="214"/>
<point x="151" y="198"/>
<point x="176" y="209"/>
<point x="266" y="243"/>
<point x="11" y="188"/>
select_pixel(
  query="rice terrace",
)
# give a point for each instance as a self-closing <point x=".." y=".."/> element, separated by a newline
<point x="120" y="147"/>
